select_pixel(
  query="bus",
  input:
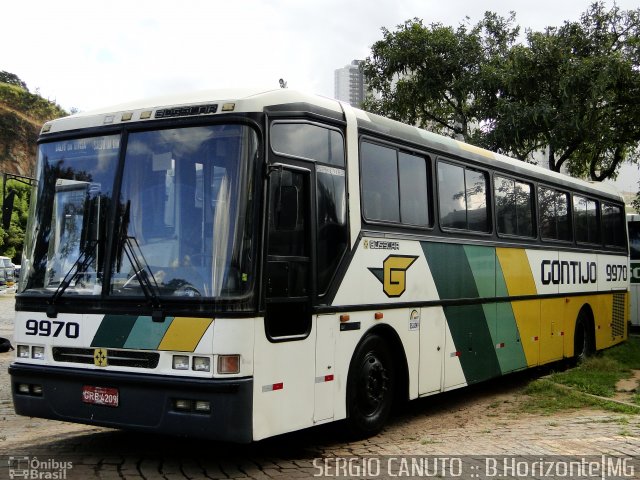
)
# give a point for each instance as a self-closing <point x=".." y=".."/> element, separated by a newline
<point x="633" y="225"/>
<point x="238" y="264"/>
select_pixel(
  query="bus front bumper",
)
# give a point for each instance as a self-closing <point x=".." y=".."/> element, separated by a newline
<point x="145" y="402"/>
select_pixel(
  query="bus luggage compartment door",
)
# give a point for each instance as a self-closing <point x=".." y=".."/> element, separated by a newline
<point x="324" y="384"/>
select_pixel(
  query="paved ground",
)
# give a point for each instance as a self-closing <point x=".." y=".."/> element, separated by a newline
<point x="466" y="425"/>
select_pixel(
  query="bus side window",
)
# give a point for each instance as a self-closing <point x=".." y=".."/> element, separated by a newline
<point x="634" y="240"/>
<point x="613" y="225"/>
<point x="332" y="231"/>
<point x="555" y="222"/>
<point x="463" y="198"/>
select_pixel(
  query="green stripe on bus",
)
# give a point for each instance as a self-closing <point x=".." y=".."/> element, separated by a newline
<point x="114" y="331"/>
<point x="486" y="335"/>
<point x="473" y="341"/>
<point x="147" y="334"/>
<point x="482" y="261"/>
<point x="450" y="270"/>
<point x="501" y="285"/>
<point x="508" y="344"/>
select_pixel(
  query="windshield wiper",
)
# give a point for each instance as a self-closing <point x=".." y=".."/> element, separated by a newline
<point x="143" y="273"/>
<point x="79" y="267"/>
<point x="141" y="268"/>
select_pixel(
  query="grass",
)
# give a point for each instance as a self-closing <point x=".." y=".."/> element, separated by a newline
<point x="428" y="441"/>
<point x="597" y="375"/>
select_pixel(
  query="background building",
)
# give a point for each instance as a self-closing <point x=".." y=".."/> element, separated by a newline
<point x="349" y="84"/>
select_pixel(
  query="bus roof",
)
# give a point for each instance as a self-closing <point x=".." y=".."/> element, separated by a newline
<point x="210" y="102"/>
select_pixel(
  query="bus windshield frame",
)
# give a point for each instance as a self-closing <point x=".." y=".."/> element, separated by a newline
<point x="165" y="213"/>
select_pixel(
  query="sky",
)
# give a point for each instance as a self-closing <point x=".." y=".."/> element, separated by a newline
<point x="87" y="55"/>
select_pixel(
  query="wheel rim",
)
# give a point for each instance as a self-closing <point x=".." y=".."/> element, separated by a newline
<point x="374" y="385"/>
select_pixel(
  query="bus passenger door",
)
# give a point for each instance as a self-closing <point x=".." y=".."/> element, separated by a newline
<point x="288" y="295"/>
<point x="284" y="371"/>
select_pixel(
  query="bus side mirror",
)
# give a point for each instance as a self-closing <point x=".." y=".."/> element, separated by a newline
<point x="7" y="210"/>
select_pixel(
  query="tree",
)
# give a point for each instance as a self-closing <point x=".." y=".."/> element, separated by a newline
<point x="12" y="79"/>
<point x="438" y="77"/>
<point x="573" y="91"/>
<point x="12" y="240"/>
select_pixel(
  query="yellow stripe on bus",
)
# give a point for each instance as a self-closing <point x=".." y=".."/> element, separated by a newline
<point x="184" y="334"/>
<point x="527" y="314"/>
<point x="516" y="270"/>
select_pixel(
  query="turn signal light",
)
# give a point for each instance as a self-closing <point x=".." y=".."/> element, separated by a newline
<point x="228" y="364"/>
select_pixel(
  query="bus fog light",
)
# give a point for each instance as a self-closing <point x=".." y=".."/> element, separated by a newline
<point x="202" y="406"/>
<point x="23" y="388"/>
<point x="184" y="405"/>
<point x="228" y="364"/>
<point x="201" y="364"/>
<point x="180" y="362"/>
<point x="36" y="389"/>
<point x="37" y="353"/>
<point x="23" y="351"/>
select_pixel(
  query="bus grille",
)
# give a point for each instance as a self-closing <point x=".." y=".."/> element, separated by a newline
<point x="617" y="324"/>
<point x="115" y="358"/>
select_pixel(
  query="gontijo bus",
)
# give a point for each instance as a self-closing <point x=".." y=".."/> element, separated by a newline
<point x="235" y="265"/>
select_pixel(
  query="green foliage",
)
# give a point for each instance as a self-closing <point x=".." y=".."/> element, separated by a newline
<point x="29" y="105"/>
<point x="596" y="376"/>
<point x="12" y="79"/>
<point x="438" y="77"/>
<point x="571" y="91"/>
<point x="21" y="115"/>
<point x="548" y="398"/>
<point x="11" y="241"/>
<point x="599" y="375"/>
<point x="574" y="90"/>
<point x="627" y="354"/>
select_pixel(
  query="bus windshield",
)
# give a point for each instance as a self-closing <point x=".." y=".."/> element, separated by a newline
<point x="181" y="225"/>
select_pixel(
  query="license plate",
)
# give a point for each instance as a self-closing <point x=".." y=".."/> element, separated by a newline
<point x="100" y="396"/>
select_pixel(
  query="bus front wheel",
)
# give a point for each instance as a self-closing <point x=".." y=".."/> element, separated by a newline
<point x="370" y="387"/>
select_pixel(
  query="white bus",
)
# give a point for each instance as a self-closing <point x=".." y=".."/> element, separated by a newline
<point x="239" y="264"/>
<point x="633" y="225"/>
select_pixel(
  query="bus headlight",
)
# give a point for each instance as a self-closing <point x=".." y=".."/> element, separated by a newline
<point x="202" y="364"/>
<point x="23" y="351"/>
<point x="180" y="362"/>
<point x="37" y="353"/>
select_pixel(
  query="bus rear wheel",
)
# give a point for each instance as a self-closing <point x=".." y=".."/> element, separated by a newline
<point x="583" y="342"/>
<point x="370" y="388"/>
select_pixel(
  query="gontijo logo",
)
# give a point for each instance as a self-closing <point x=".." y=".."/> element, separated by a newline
<point x="393" y="274"/>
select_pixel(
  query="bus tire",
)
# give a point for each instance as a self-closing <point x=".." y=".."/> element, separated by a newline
<point x="370" y="387"/>
<point x="583" y="341"/>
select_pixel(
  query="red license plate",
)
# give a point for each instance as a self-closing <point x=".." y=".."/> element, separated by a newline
<point x="100" y="396"/>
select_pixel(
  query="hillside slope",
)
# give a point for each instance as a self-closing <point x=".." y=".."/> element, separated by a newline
<point x="21" y="116"/>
